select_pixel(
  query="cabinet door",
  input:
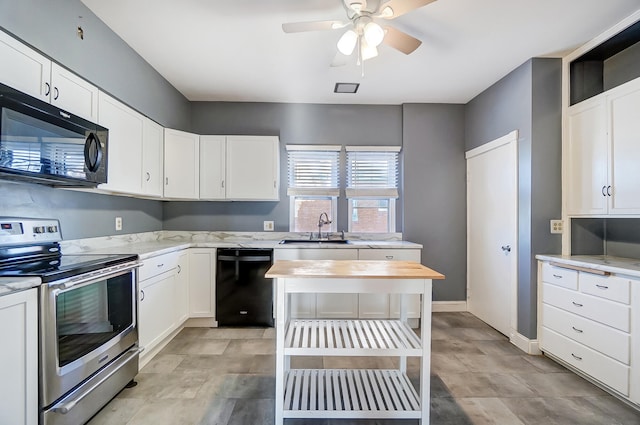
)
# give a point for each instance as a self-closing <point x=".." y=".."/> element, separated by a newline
<point x="202" y="280"/>
<point x="212" y="167"/>
<point x="156" y="314"/>
<point x="383" y="305"/>
<point x="23" y="68"/>
<point x="182" y="288"/>
<point x="19" y="358"/>
<point x="73" y="94"/>
<point x="125" y="145"/>
<point x="152" y="158"/>
<point x="253" y="171"/>
<point x="181" y="167"/>
<point x="587" y="158"/>
<point x="624" y="111"/>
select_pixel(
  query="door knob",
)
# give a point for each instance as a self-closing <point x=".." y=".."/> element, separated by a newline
<point x="506" y="248"/>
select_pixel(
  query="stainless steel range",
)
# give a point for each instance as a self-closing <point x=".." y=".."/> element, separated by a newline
<point x="88" y="346"/>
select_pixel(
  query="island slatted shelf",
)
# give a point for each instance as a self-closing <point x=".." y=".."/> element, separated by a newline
<point x="351" y="393"/>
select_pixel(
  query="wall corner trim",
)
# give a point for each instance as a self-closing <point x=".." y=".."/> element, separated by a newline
<point x="529" y="346"/>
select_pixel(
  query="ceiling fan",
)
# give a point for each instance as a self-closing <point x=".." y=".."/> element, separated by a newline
<point x="365" y="34"/>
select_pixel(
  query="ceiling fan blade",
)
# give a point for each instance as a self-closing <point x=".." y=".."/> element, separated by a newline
<point x="312" y="26"/>
<point x="400" y="40"/>
<point x="400" y="7"/>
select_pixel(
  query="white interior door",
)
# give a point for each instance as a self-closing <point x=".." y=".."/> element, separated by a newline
<point x="492" y="232"/>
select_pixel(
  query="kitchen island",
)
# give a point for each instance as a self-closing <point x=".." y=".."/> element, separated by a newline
<point x="342" y="393"/>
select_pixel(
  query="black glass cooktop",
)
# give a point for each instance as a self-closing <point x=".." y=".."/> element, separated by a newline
<point x="54" y="268"/>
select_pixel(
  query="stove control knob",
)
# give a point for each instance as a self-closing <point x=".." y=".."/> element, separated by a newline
<point x="52" y="229"/>
<point x="38" y="229"/>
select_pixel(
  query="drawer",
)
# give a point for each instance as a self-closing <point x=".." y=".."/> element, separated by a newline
<point x="560" y="276"/>
<point x="601" y="338"/>
<point x="604" y="369"/>
<point x="157" y="265"/>
<point x="604" y="311"/>
<point x="610" y="287"/>
<point x="389" y="254"/>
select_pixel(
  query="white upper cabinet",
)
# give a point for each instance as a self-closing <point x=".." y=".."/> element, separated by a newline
<point x="253" y="168"/>
<point x="604" y="152"/>
<point x="212" y="167"/>
<point x="125" y="145"/>
<point x="152" y="158"/>
<point x="26" y="70"/>
<point x="181" y="165"/>
<point x="23" y="68"/>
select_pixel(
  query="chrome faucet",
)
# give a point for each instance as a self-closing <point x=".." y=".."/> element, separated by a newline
<point x="322" y="222"/>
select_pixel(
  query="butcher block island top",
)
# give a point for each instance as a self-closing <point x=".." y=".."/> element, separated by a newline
<point x="351" y="268"/>
<point x="352" y="393"/>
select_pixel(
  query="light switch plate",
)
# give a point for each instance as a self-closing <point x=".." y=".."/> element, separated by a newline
<point x="268" y="226"/>
<point x="556" y="226"/>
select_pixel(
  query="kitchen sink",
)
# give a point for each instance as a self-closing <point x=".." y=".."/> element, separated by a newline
<point x="315" y="241"/>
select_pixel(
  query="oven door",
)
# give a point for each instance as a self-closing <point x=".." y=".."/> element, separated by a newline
<point x="86" y="323"/>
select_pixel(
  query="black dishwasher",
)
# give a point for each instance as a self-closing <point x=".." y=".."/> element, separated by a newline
<point x="244" y="297"/>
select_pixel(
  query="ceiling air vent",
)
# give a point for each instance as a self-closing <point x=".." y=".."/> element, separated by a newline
<point x="346" y="88"/>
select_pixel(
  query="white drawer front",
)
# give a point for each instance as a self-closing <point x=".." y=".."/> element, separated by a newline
<point x="609" y="287"/>
<point x="604" y="369"/>
<point x="389" y="254"/>
<point x="560" y="276"/>
<point x="157" y="265"/>
<point x="598" y="309"/>
<point x="601" y="338"/>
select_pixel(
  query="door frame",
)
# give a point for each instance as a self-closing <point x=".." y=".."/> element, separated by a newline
<point x="511" y="140"/>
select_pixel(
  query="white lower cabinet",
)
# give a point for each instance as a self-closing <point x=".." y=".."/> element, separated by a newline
<point x="182" y="287"/>
<point x="587" y="321"/>
<point x="202" y="282"/>
<point x="19" y="358"/>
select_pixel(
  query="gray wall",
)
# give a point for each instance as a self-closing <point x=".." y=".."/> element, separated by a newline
<point x="295" y="124"/>
<point x="105" y="60"/>
<point x="435" y="192"/>
<point x="619" y="237"/>
<point x="528" y="100"/>
<point x="81" y="215"/>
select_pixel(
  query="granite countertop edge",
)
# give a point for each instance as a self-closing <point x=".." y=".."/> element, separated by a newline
<point x="618" y="265"/>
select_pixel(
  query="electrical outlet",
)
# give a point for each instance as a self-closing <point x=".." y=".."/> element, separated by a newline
<point x="268" y="226"/>
<point x="556" y="226"/>
<point x="118" y="223"/>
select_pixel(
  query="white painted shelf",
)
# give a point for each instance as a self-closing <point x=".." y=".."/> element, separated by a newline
<point x="351" y="338"/>
<point x="350" y="394"/>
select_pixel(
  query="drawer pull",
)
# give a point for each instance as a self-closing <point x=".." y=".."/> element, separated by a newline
<point x="602" y="286"/>
<point x="576" y="357"/>
<point x="160" y="265"/>
<point x="389" y="257"/>
<point x="576" y="304"/>
<point x="577" y="330"/>
<point x="557" y="276"/>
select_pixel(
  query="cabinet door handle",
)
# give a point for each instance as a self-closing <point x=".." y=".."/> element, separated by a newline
<point x="48" y="89"/>
<point x="602" y="286"/>
<point x="56" y="93"/>
<point x="222" y="183"/>
<point x="179" y="269"/>
<point x="274" y="184"/>
<point x="603" y="190"/>
<point x="141" y="294"/>
<point x="557" y="276"/>
<point x="576" y="357"/>
<point x="576" y="304"/>
<point x="609" y="190"/>
<point x="166" y="181"/>
<point x="577" y="330"/>
<point x="148" y="176"/>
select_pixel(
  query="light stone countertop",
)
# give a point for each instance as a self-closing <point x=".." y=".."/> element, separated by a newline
<point x="10" y="285"/>
<point x="618" y="265"/>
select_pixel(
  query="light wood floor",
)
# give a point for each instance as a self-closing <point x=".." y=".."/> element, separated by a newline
<point x="226" y="377"/>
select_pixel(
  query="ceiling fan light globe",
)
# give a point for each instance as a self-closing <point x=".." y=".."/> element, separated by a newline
<point x="367" y="51"/>
<point x="347" y="42"/>
<point x="374" y="34"/>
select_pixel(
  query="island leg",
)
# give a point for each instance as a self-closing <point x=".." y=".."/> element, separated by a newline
<point x="425" y="361"/>
<point x="280" y="325"/>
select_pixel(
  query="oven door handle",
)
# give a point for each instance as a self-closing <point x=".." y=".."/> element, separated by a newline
<point x="67" y="407"/>
<point x="99" y="275"/>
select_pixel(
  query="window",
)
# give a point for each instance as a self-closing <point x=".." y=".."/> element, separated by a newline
<point x="313" y="186"/>
<point x="372" y="188"/>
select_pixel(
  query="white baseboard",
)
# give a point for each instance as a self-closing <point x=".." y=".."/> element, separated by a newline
<point x="448" y="306"/>
<point x="201" y="322"/>
<point x="529" y="346"/>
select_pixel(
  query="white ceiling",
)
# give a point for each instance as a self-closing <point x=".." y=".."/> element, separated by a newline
<point x="235" y="50"/>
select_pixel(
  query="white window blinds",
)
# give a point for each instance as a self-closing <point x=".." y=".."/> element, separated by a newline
<point x="372" y="171"/>
<point x="313" y="170"/>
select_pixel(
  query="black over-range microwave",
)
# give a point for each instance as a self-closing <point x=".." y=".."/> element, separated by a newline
<point x="44" y="144"/>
